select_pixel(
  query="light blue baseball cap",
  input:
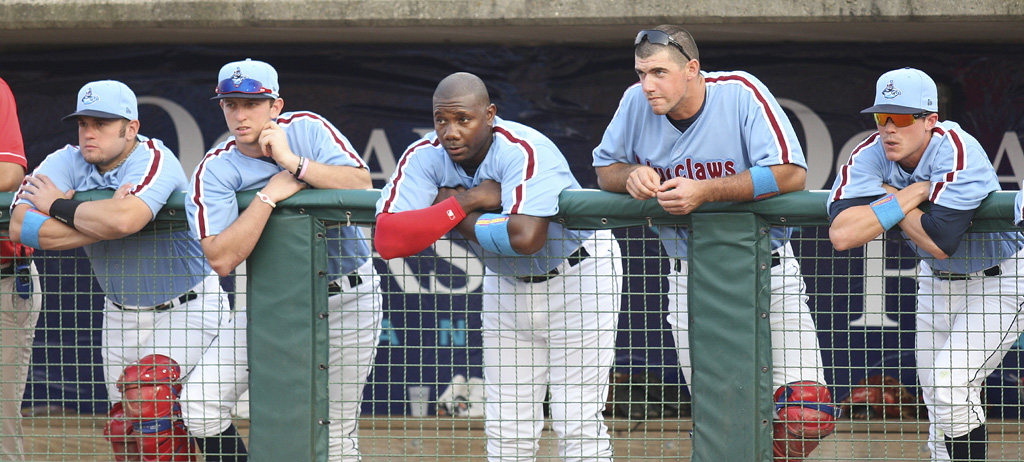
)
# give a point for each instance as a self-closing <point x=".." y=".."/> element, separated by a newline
<point x="247" y="79"/>
<point x="106" y="99"/>
<point x="905" y="91"/>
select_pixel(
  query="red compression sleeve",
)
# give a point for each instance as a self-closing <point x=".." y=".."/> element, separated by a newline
<point x="407" y="233"/>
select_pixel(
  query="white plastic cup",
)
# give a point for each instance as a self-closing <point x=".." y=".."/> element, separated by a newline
<point x="419" y="400"/>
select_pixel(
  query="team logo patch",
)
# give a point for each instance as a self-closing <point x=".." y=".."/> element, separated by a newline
<point x="451" y="214"/>
<point x="492" y="221"/>
<point x="890" y="91"/>
<point x="237" y="77"/>
<point x="885" y="199"/>
<point x="89" y="98"/>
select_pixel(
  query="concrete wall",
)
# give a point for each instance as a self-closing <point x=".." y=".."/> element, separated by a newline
<point x="31" y="23"/>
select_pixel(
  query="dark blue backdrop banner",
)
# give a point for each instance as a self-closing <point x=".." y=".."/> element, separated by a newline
<point x="380" y="97"/>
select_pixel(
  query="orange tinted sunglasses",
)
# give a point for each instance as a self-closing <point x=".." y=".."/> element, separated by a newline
<point x="900" y="120"/>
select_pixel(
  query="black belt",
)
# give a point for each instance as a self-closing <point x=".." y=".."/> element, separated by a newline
<point x="574" y="259"/>
<point x="181" y="300"/>
<point x="8" y="271"/>
<point x="353" y="280"/>
<point x="993" y="271"/>
<point x="776" y="261"/>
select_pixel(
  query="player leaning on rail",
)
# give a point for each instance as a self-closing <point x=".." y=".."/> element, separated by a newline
<point x="551" y="295"/>
<point x="684" y="136"/>
<point x="968" y="296"/>
<point x="163" y="302"/>
<point x="279" y="153"/>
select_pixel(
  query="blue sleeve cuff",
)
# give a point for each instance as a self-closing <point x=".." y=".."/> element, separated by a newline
<point x="492" y="234"/>
<point x="888" y="211"/>
<point x="764" y="182"/>
<point x="30" y="226"/>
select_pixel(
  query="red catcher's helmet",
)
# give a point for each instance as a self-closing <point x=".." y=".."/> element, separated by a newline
<point x="150" y="387"/>
<point x="806" y="409"/>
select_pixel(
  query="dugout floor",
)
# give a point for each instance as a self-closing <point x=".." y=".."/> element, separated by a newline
<point x="72" y="437"/>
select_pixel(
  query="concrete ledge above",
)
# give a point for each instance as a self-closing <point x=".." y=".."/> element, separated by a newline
<point x="93" y="22"/>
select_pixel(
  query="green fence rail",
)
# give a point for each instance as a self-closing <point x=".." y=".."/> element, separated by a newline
<point x="730" y="345"/>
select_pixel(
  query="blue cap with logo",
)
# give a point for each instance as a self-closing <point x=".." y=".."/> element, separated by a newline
<point x="247" y="79"/>
<point x="106" y="99"/>
<point x="905" y="91"/>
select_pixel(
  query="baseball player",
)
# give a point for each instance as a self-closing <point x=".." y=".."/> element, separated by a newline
<point x="161" y="297"/>
<point x="19" y="303"/>
<point x="684" y="137"/>
<point x="279" y="154"/>
<point x="550" y="294"/>
<point x="968" y="296"/>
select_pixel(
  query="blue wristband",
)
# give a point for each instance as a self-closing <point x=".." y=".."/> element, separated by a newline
<point x="30" y="225"/>
<point x="492" y="234"/>
<point x="764" y="182"/>
<point x="888" y="211"/>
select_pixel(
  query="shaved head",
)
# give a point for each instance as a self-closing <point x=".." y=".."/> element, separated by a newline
<point x="463" y="118"/>
<point x="462" y="84"/>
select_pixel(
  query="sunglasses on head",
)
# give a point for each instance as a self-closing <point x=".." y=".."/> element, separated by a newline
<point x="900" y="120"/>
<point x="660" y="38"/>
<point x="241" y="86"/>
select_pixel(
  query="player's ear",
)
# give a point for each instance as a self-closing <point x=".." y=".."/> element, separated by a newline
<point x="492" y="110"/>
<point x="132" y="129"/>
<point x="276" y="108"/>
<point x="692" y="68"/>
<point x="931" y="120"/>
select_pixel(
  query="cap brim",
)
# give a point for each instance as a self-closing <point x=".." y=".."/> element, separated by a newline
<point x="892" y="109"/>
<point x="90" y="113"/>
<point x="245" y="95"/>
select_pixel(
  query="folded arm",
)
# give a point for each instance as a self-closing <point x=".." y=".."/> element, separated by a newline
<point x="225" y="251"/>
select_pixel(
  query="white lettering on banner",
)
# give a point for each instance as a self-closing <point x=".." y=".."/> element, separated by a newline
<point x="190" y="138"/>
<point x="875" y="274"/>
<point x="817" y="143"/>
<point x="456" y="255"/>
<point x="1010" y="147"/>
<point x="378" y="146"/>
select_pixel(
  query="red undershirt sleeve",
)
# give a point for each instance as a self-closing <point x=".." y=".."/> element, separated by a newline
<point x="408" y="233"/>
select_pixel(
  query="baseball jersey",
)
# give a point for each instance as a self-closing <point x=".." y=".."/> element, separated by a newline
<point x="740" y="125"/>
<point x="12" y="149"/>
<point x="144" y="269"/>
<point x="212" y="206"/>
<point x="961" y="176"/>
<point x="532" y="173"/>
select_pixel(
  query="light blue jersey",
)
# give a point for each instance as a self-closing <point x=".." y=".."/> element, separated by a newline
<point x="532" y="173"/>
<point x="741" y="125"/>
<point x="212" y="206"/>
<point x="961" y="176"/>
<point x="144" y="269"/>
